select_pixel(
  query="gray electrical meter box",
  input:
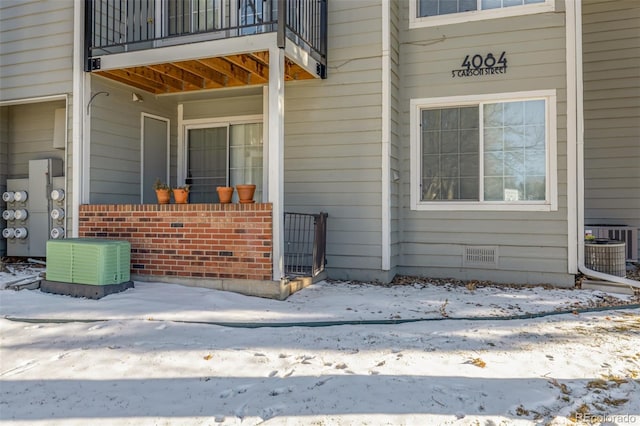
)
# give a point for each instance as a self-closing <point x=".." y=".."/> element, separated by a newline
<point x="29" y="208"/>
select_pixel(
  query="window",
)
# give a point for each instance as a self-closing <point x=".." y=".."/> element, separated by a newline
<point x="224" y="154"/>
<point x="491" y="152"/>
<point x="192" y="16"/>
<point x="437" y="12"/>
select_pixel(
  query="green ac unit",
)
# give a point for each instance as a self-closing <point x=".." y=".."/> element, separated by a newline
<point x="88" y="261"/>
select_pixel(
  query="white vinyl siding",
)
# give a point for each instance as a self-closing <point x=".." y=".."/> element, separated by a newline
<point x="36" y="48"/>
<point x="532" y="245"/>
<point x="611" y="50"/>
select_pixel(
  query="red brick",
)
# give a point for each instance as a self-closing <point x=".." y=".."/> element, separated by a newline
<point x="244" y="230"/>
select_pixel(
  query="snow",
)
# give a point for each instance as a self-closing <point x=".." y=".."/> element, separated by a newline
<point x="150" y="360"/>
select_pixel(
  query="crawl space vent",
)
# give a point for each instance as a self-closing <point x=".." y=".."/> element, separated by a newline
<point x="480" y="256"/>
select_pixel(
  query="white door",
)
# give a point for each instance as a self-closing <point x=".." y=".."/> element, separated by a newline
<point x="155" y="155"/>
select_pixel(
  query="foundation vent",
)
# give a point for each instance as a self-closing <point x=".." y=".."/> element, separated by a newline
<point x="480" y="256"/>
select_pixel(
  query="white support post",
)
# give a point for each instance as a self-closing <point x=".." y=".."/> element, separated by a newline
<point x="78" y="117"/>
<point x="386" y="136"/>
<point x="276" y="156"/>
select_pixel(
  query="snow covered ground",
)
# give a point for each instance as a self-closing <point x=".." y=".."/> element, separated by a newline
<point x="148" y="361"/>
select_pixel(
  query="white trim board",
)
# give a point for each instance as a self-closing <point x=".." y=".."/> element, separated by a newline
<point x="79" y="117"/>
<point x="199" y="123"/>
<point x="475" y="15"/>
<point x="573" y="214"/>
<point x="276" y="157"/>
<point x="386" y="137"/>
<point x="35" y="100"/>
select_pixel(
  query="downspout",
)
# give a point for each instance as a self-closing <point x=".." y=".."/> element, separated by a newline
<point x="575" y="7"/>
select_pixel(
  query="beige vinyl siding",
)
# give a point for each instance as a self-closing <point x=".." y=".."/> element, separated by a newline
<point x="395" y="132"/>
<point x="30" y="136"/>
<point x="227" y="106"/>
<point x="532" y="246"/>
<point x="36" y="48"/>
<point x="115" y="141"/>
<point x="611" y="51"/>
<point x="333" y="141"/>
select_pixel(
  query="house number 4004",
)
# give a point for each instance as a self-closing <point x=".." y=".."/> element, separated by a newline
<point x="478" y="65"/>
<point x="489" y="61"/>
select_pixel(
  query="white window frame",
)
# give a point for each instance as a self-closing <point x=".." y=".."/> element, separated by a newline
<point x="416" y="21"/>
<point x="200" y="123"/>
<point x="551" y="170"/>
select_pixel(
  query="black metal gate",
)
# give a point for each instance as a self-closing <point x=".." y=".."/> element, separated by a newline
<point x="305" y="237"/>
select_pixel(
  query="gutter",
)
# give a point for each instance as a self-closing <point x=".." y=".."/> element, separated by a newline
<point x="575" y="7"/>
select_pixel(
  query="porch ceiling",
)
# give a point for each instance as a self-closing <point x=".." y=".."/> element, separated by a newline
<point x="205" y="73"/>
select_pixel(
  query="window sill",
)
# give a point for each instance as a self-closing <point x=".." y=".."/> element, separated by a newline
<point x="477" y="15"/>
<point x="486" y="206"/>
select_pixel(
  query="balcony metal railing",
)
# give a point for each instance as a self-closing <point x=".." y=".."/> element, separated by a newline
<point x="115" y="26"/>
<point x="305" y="240"/>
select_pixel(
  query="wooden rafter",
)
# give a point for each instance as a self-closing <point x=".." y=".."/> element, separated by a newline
<point x="213" y="78"/>
<point x="190" y="79"/>
<point x="235" y="73"/>
<point x="259" y="71"/>
<point x="151" y="74"/>
<point x="123" y="77"/>
<point x="260" y="57"/>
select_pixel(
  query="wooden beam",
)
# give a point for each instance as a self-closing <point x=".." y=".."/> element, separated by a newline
<point x="259" y="71"/>
<point x="260" y="57"/>
<point x="132" y="76"/>
<point x="122" y="77"/>
<point x="213" y="78"/>
<point x="151" y="74"/>
<point x="189" y="78"/>
<point x="234" y="72"/>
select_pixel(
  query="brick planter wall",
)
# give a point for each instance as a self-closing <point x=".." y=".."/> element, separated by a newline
<point x="188" y="240"/>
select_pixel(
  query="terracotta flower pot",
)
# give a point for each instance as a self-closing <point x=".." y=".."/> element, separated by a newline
<point x="164" y="196"/>
<point x="225" y="193"/>
<point x="180" y="195"/>
<point x="245" y="193"/>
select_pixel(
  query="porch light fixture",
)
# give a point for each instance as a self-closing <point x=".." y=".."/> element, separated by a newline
<point x="93" y="97"/>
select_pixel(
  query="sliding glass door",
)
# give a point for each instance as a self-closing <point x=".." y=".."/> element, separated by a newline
<point x="224" y="154"/>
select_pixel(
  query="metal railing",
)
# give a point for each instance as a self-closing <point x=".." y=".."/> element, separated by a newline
<point x="115" y="26"/>
<point x="305" y="240"/>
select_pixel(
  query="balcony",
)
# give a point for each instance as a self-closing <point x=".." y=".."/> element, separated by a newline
<point x="172" y="46"/>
